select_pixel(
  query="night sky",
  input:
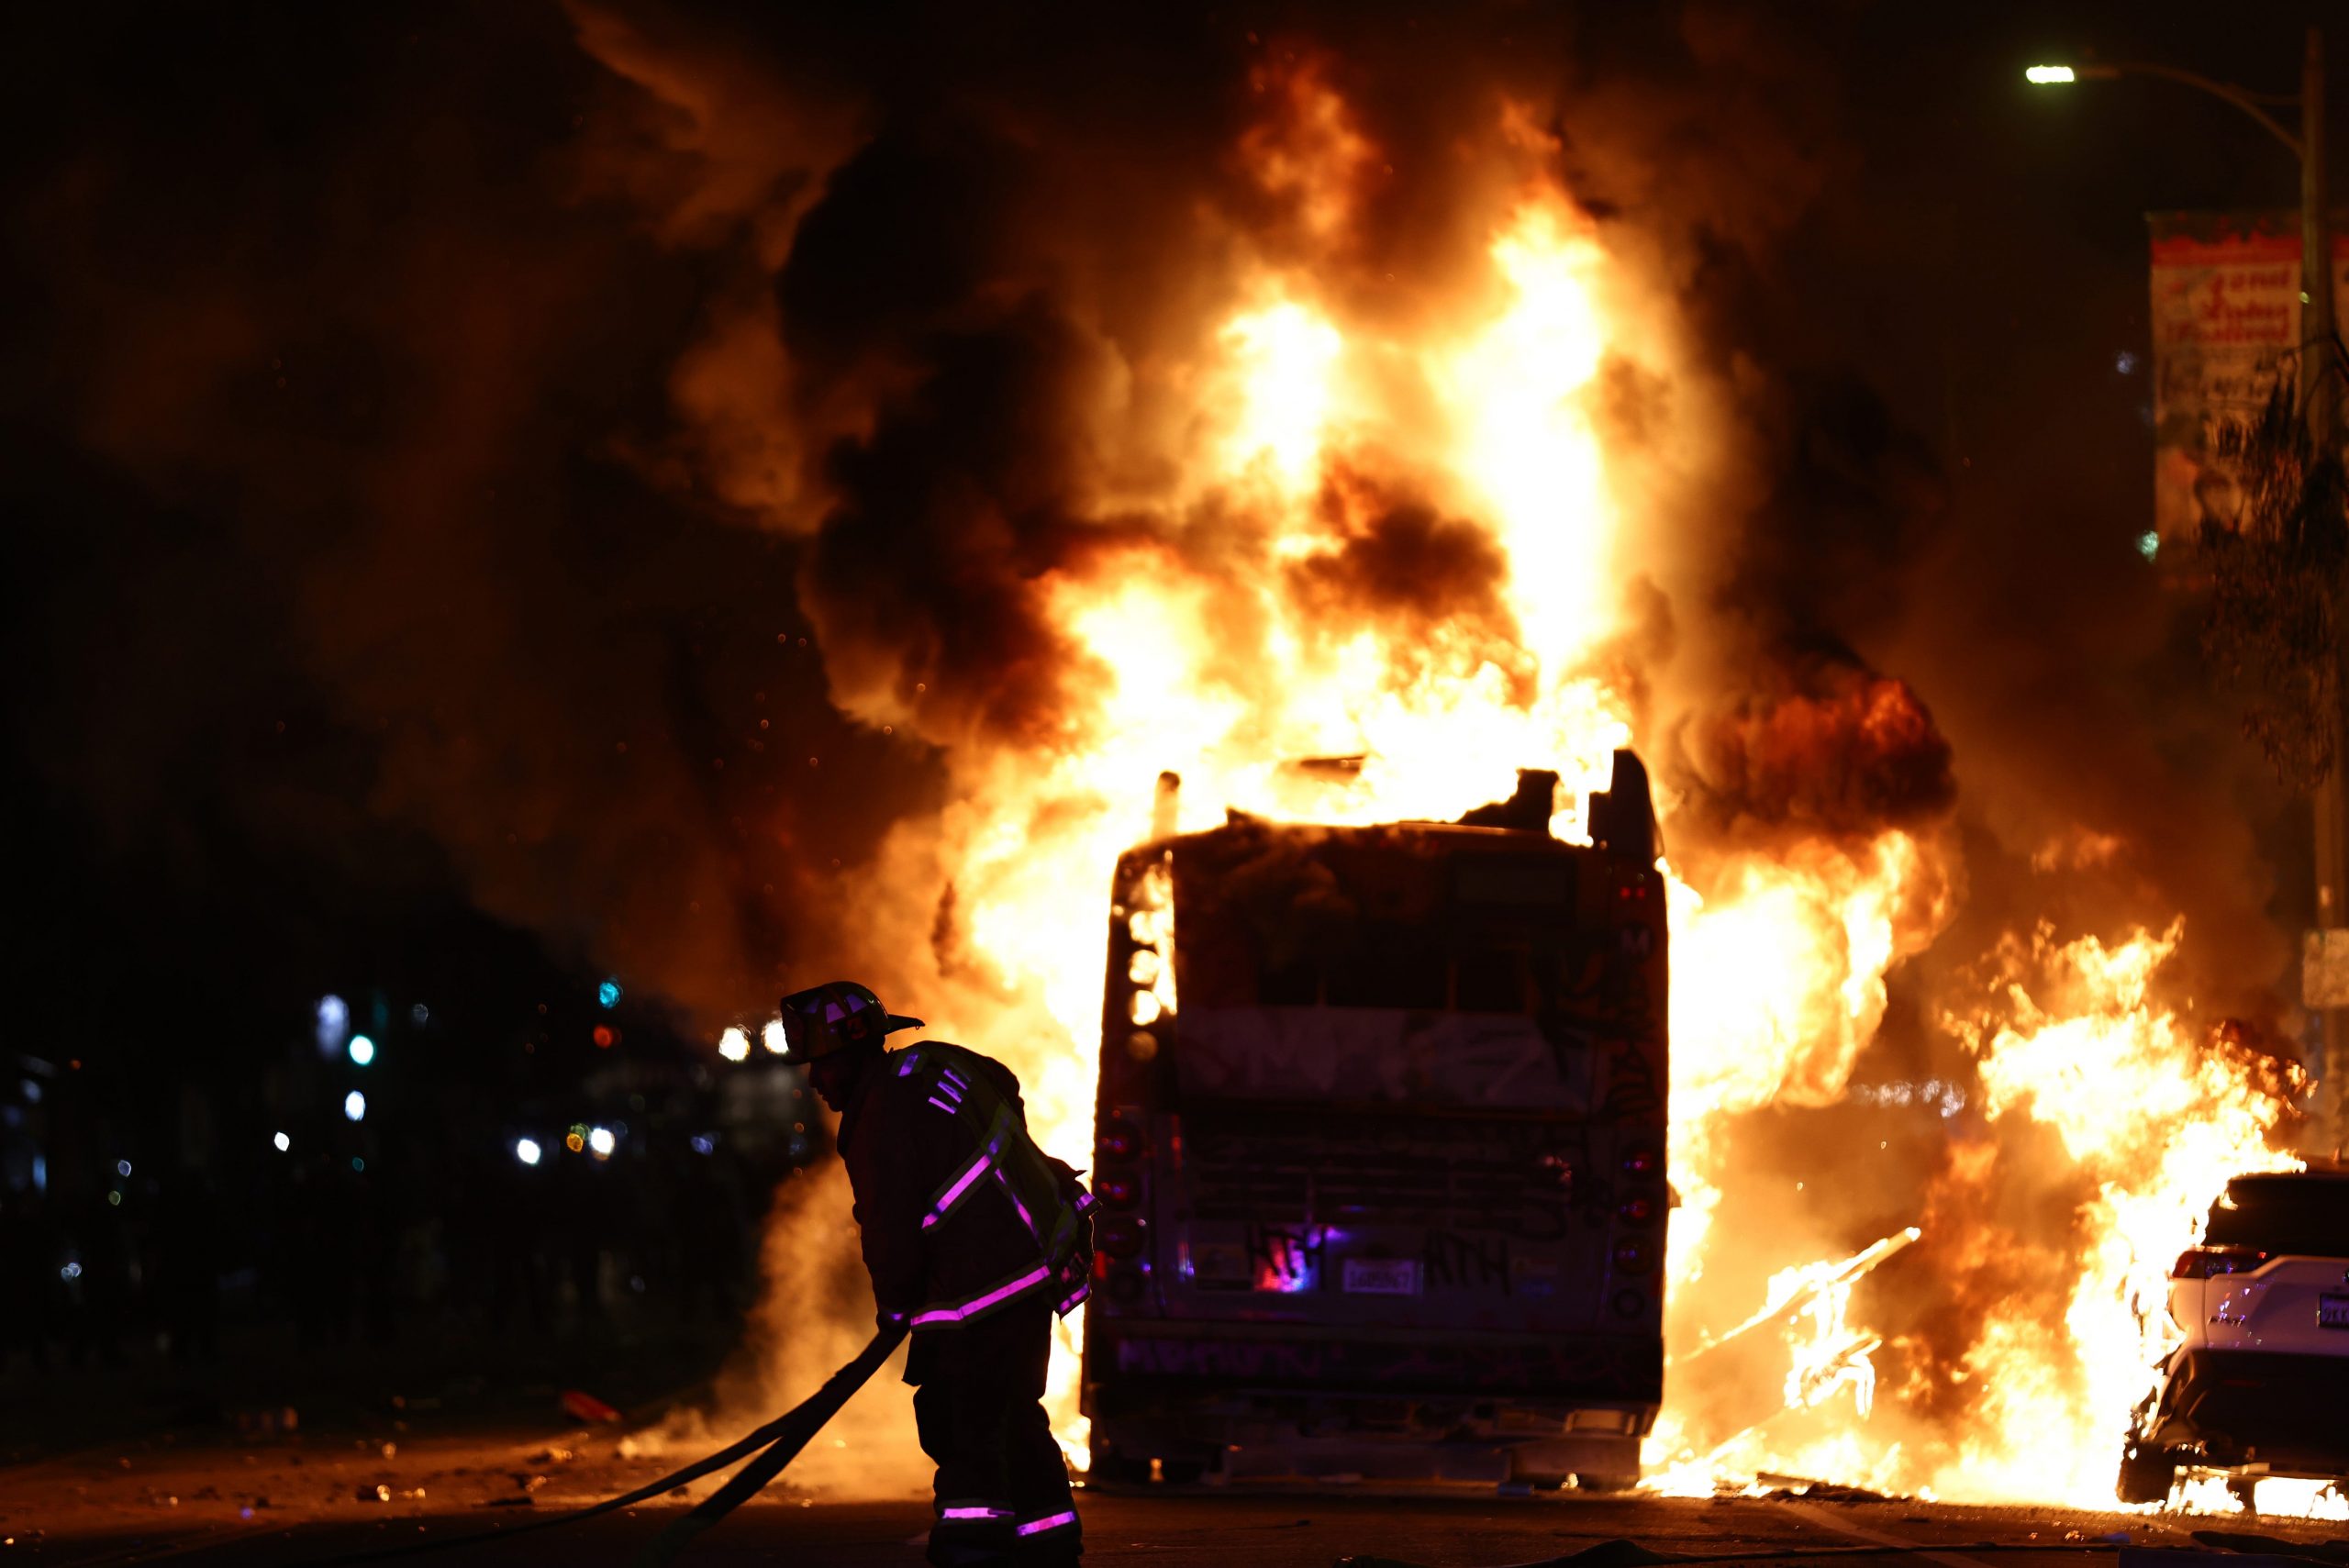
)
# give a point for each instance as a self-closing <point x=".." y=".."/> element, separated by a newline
<point x="377" y="619"/>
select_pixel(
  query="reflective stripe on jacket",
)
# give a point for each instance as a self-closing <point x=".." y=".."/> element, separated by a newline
<point x="962" y="1214"/>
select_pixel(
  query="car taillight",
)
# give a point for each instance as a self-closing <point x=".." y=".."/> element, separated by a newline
<point x="1637" y="1211"/>
<point x="1642" y="1162"/>
<point x="2202" y="1262"/>
<point x="1631" y="1257"/>
<point x="1119" y="1139"/>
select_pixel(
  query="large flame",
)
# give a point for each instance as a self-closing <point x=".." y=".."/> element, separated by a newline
<point x="1486" y="414"/>
<point x="1442" y="725"/>
<point x="2157" y="1123"/>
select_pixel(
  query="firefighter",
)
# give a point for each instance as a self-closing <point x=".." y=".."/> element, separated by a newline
<point x="975" y="1240"/>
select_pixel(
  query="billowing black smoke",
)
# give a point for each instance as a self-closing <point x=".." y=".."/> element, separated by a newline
<point x="554" y="417"/>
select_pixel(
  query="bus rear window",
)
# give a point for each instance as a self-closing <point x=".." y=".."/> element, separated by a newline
<point x="1404" y="970"/>
<point x="1414" y="974"/>
<point x="1488" y="931"/>
<point x="1490" y="980"/>
<point x="1513" y="881"/>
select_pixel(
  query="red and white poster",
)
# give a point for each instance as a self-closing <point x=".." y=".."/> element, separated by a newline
<point x="2226" y="322"/>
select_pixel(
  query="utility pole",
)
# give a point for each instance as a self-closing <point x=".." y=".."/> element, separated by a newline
<point x="2320" y="401"/>
<point x="2326" y="969"/>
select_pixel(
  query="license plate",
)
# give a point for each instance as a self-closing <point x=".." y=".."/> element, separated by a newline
<point x="1382" y="1276"/>
<point x="2333" y="1311"/>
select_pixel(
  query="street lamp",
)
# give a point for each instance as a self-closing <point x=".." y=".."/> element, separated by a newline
<point x="2316" y="247"/>
<point x="2240" y="97"/>
<point x="2318" y="403"/>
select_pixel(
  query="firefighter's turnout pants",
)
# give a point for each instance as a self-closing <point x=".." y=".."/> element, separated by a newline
<point x="1002" y="1491"/>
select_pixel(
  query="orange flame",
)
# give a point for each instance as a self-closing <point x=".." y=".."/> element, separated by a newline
<point x="2158" y="1123"/>
<point x="1486" y="411"/>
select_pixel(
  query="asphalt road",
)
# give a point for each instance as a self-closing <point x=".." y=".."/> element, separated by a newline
<point x="297" y="1504"/>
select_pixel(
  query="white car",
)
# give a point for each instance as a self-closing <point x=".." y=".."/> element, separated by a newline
<point x="2261" y="1385"/>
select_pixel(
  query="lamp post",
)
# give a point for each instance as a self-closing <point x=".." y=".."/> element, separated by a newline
<point x="2320" y="402"/>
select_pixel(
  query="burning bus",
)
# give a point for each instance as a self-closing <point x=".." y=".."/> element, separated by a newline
<point x="1380" y="1137"/>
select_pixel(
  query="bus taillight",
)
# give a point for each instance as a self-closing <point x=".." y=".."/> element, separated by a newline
<point x="1122" y="1237"/>
<point x="1119" y="1139"/>
<point x="1117" y="1189"/>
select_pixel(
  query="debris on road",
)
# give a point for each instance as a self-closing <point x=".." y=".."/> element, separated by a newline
<point x="583" y="1406"/>
<point x="1783" y="1486"/>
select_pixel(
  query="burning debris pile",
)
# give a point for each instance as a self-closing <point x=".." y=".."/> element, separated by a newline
<point x="1312" y="396"/>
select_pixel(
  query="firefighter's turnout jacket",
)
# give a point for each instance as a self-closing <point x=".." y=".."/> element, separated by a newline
<point x="962" y="1214"/>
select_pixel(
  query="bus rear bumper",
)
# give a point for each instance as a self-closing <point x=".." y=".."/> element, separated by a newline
<point x="1240" y="1401"/>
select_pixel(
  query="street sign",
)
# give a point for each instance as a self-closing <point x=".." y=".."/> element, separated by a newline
<point x="2226" y="323"/>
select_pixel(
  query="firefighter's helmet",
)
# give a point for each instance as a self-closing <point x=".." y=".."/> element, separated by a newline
<point x="836" y="1016"/>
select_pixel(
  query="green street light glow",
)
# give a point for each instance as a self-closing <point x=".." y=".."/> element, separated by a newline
<point x="2045" y="75"/>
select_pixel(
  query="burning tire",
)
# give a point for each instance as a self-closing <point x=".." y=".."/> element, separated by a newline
<point x="2146" y="1473"/>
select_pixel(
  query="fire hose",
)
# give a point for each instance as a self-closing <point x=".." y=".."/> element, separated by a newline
<point x="781" y="1440"/>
